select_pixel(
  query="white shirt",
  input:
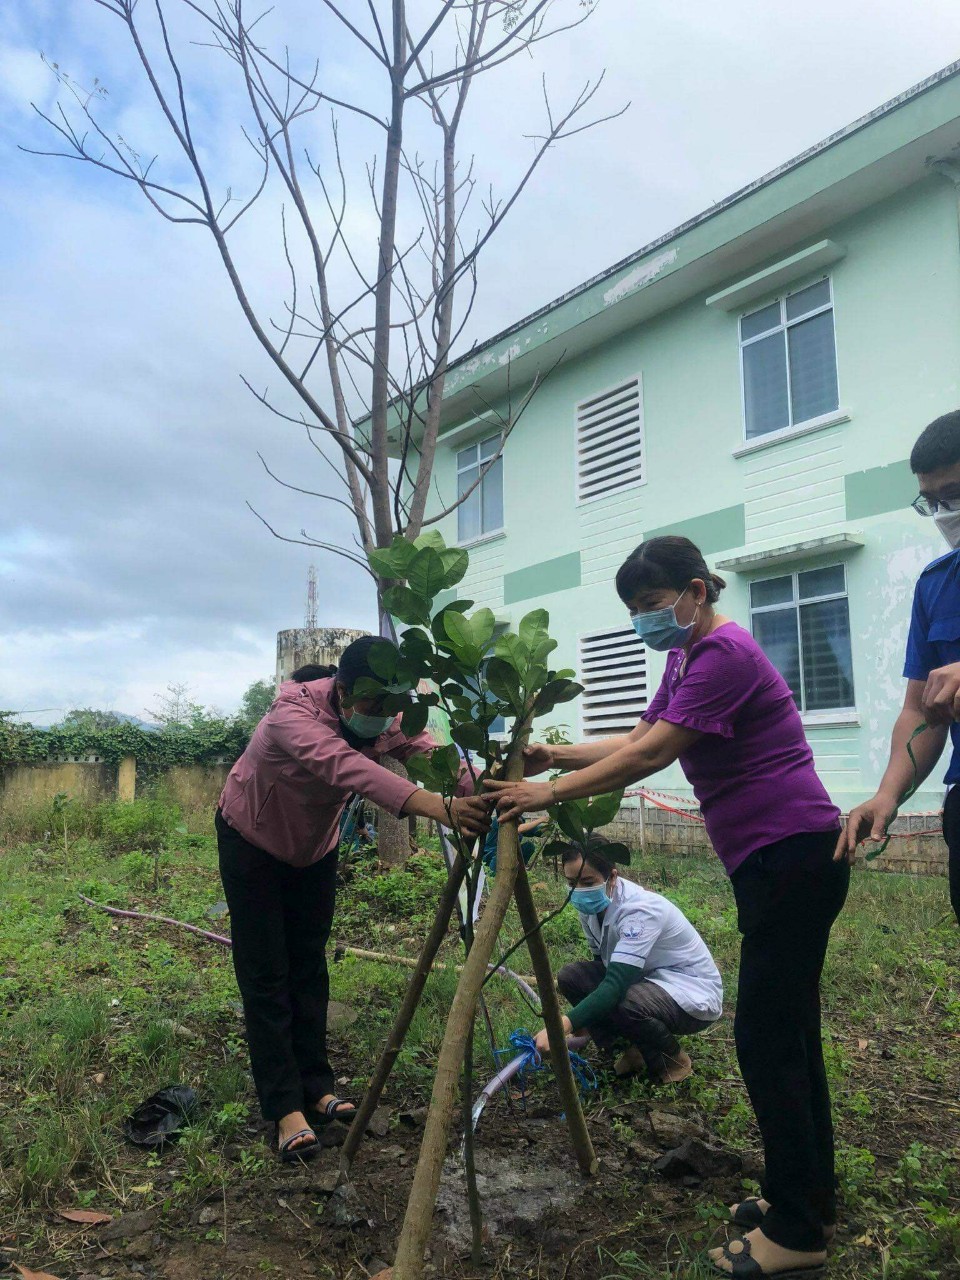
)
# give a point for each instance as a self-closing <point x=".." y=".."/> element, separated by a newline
<point x="647" y="931"/>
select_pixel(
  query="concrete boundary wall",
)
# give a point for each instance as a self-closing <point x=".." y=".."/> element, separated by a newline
<point x="917" y="847"/>
<point x="91" y="781"/>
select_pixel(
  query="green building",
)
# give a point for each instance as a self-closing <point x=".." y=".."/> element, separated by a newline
<point x="754" y="379"/>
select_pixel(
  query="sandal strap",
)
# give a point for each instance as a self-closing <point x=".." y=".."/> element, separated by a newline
<point x="742" y="1265"/>
<point x="330" y="1110"/>
<point x="301" y="1133"/>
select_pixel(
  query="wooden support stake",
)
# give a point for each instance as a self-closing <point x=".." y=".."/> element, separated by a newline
<point x="411" y="999"/>
<point x="418" y="1218"/>
<point x="559" y="1054"/>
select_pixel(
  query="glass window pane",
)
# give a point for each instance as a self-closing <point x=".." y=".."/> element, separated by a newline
<point x="813" y="367"/>
<point x="822" y="582"/>
<point x="489" y="448"/>
<point x="776" y="634"/>
<point x="827" y="662"/>
<point x="765" y="386"/>
<point x="467" y="457"/>
<point x="771" y="591"/>
<point x="798" y="304"/>
<point x="492" y="502"/>
<point x="759" y="321"/>
<point x="468" y="513"/>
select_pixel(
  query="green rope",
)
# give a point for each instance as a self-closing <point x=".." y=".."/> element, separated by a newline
<point x="911" y="790"/>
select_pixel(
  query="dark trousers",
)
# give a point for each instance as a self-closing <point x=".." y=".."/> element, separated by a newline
<point x="280" y="919"/>
<point x="647" y="1016"/>
<point x="788" y="896"/>
<point x="951" y="833"/>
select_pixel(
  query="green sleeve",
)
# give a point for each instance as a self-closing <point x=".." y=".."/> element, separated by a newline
<point x="607" y="995"/>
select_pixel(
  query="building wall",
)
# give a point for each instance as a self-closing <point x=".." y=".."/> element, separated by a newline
<point x="897" y="323"/>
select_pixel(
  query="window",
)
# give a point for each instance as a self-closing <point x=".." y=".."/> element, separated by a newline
<point x="802" y="623"/>
<point x="613" y="672"/>
<point x="482" y="512"/>
<point x="610" y="442"/>
<point x="788" y="360"/>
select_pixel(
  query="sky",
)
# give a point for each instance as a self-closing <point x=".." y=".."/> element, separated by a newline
<point x="129" y="558"/>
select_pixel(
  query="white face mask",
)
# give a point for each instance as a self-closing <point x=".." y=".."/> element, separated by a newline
<point x="948" y="522"/>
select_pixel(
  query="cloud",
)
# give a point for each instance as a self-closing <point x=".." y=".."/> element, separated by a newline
<point x="127" y="556"/>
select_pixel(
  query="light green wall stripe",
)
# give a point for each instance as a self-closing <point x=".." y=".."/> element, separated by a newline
<point x="881" y="489"/>
<point x="542" y="579"/>
<point x="716" y="531"/>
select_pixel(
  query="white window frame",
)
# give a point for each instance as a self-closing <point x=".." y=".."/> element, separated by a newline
<point x="819" y="715"/>
<point x="792" y="426"/>
<point x="476" y="445"/>
<point x="643" y="698"/>
<point x="619" y="385"/>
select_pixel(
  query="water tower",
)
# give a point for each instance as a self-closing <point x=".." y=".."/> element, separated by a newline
<point x="311" y="643"/>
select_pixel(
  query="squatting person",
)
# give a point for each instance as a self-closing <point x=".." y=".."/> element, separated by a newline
<point x="651" y="976"/>
<point x="727" y="716"/>
<point x="278" y="834"/>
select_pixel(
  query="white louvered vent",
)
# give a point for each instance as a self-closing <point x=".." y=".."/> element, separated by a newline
<point x="613" y="672"/>
<point x="610" y="442"/>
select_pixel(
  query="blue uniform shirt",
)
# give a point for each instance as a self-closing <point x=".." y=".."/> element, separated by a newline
<point x="934" y="639"/>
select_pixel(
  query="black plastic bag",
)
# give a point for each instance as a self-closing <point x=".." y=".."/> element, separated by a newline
<point x="160" y="1119"/>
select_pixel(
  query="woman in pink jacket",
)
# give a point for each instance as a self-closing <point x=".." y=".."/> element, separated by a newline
<point x="277" y="831"/>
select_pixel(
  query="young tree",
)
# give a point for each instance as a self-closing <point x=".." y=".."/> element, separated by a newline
<point x="256" y="702"/>
<point x="92" y="719"/>
<point x="365" y="331"/>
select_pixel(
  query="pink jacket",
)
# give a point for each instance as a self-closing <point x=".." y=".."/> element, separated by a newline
<point x="286" y="792"/>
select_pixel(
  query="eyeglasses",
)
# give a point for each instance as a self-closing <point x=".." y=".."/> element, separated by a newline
<point x="931" y="506"/>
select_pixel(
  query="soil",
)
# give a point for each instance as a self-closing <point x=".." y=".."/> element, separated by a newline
<point x="542" y="1219"/>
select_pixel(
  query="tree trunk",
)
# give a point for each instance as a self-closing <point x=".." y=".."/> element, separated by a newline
<point x="411" y="999"/>
<point x="559" y="1054"/>
<point x="393" y="834"/>
<point x="423" y="1194"/>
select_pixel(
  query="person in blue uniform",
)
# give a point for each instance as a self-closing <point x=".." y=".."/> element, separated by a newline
<point x="932" y="666"/>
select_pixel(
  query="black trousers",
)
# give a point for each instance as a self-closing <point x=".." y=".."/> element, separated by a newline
<point x="951" y="833"/>
<point x="788" y="896"/>
<point x="280" y="919"/>
<point x="647" y="1016"/>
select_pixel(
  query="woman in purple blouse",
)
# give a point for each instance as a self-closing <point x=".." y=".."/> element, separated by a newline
<point x="726" y="715"/>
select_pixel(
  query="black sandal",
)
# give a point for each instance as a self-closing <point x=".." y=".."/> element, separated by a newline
<point x="748" y="1213"/>
<point x="289" y="1154"/>
<point x="329" y="1113"/>
<point x="745" y="1267"/>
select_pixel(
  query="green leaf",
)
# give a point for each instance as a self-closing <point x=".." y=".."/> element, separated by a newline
<point x="420" y="768"/>
<point x="533" y="627"/>
<point x="415" y="718"/>
<point x="456" y="562"/>
<point x="511" y="649"/>
<point x="554" y="850"/>
<point x="406" y="605"/>
<point x="432" y="538"/>
<point x="617" y="852"/>
<point x="602" y="809"/>
<point x="438" y="625"/>
<point x="483" y="624"/>
<point x="459" y="631"/>
<point x="470" y="736"/>
<point x="383" y="659"/>
<point x="504" y="683"/>
<point x="555" y="692"/>
<point x="567" y="817"/>
<point x="393" y="561"/>
<point x="426" y="574"/>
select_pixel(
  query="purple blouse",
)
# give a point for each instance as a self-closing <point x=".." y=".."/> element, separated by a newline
<point x="752" y="771"/>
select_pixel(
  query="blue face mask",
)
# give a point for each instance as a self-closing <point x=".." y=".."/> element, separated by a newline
<point x="367" y="726"/>
<point x="660" y="630"/>
<point x="591" y="901"/>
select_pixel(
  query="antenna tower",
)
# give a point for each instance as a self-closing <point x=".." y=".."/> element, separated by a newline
<point x="310" y="622"/>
